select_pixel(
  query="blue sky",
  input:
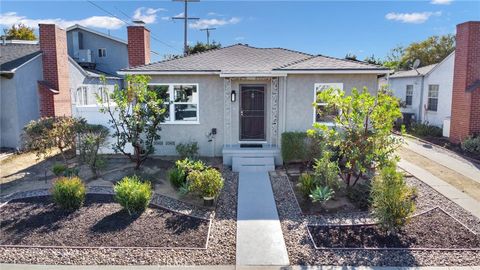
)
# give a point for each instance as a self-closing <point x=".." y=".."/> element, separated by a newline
<point x="332" y="28"/>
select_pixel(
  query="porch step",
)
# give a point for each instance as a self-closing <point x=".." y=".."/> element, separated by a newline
<point x="253" y="164"/>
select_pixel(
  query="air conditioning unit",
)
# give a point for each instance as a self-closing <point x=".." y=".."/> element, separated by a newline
<point x="84" y="56"/>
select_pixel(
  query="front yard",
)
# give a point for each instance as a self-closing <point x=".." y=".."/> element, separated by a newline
<point x="174" y="229"/>
<point x="440" y="233"/>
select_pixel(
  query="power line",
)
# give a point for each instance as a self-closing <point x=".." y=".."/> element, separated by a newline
<point x="151" y="35"/>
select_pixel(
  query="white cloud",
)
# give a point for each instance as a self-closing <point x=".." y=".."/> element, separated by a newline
<point x="10" y="18"/>
<point x="239" y="38"/>
<point x="204" y="23"/>
<point x="441" y="2"/>
<point x="215" y="14"/>
<point x="179" y="15"/>
<point x="415" y="17"/>
<point x="147" y="15"/>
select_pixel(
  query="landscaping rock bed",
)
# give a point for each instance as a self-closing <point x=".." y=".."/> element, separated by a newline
<point x="220" y="251"/>
<point x="434" y="229"/>
<point x="301" y="249"/>
<point x="101" y="222"/>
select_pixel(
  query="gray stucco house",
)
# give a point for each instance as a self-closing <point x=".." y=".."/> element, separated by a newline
<point x="236" y="101"/>
<point x="88" y="54"/>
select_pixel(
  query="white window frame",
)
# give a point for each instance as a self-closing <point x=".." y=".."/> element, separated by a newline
<point x="172" y="104"/>
<point x="101" y="93"/>
<point x="430" y="97"/>
<point x="316" y="85"/>
<point x="103" y="53"/>
<point x="82" y="96"/>
<point x="407" y="95"/>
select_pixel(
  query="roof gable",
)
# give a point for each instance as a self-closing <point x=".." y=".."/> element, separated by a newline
<point x="86" y="29"/>
<point x="13" y="55"/>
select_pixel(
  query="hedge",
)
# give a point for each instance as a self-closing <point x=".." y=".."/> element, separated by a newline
<point x="297" y="147"/>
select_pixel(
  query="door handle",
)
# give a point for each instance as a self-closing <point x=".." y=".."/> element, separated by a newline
<point x="241" y="113"/>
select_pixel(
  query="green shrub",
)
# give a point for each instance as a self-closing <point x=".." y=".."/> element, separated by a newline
<point x="207" y="183"/>
<point x="425" y="130"/>
<point x="133" y="194"/>
<point x="70" y="172"/>
<point x="322" y="194"/>
<point x="188" y="165"/>
<point x="187" y="150"/>
<point x="326" y="171"/>
<point x="392" y="199"/>
<point x="69" y="193"/>
<point x="472" y="145"/>
<point x="177" y="177"/>
<point x="58" y="169"/>
<point x="306" y="184"/>
<point x="294" y="146"/>
<point x="359" y="195"/>
<point x="90" y="139"/>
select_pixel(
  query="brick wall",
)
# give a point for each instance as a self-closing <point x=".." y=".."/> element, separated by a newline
<point x="53" y="44"/>
<point x="138" y="45"/>
<point x="465" y="118"/>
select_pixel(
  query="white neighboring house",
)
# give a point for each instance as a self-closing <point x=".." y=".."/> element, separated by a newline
<point x="426" y="92"/>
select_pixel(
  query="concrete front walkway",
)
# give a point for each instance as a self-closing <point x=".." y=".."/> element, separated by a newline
<point x="259" y="234"/>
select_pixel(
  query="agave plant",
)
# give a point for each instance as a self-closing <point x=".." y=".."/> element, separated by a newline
<point x="321" y="194"/>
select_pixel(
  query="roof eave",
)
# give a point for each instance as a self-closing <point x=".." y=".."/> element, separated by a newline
<point x="168" y="72"/>
<point x="332" y="71"/>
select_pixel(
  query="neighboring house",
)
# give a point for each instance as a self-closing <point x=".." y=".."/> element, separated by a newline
<point x="426" y="92"/>
<point x="43" y="79"/>
<point x="236" y="101"/>
<point x="20" y="69"/>
<point x="448" y="93"/>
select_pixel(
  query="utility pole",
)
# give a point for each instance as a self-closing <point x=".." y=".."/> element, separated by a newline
<point x="208" y="33"/>
<point x="185" y="18"/>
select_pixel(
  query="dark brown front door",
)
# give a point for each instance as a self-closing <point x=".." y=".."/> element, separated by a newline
<point x="252" y="113"/>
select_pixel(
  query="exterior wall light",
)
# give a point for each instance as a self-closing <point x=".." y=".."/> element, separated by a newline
<point x="233" y="96"/>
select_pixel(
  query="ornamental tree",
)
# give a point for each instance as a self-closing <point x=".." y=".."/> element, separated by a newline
<point x="362" y="131"/>
<point x="135" y="116"/>
<point x="48" y="133"/>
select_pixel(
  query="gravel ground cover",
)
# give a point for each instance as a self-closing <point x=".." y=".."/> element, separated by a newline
<point x="302" y="251"/>
<point x="418" y="233"/>
<point x="101" y="222"/>
<point x="220" y="251"/>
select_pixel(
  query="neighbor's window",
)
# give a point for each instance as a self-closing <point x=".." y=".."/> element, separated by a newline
<point x="323" y="113"/>
<point x="409" y="95"/>
<point x="432" y="97"/>
<point x="81" y="96"/>
<point x="183" y="102"/>
<point x="103" y="94"/>
<point x="102" y="52"/>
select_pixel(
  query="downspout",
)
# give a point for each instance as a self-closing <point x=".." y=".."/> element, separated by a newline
<point x="284" y="111"/>
<point x="420" y="107"/>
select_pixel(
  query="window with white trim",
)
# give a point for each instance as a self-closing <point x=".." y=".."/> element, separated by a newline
<point x="432" y="104"/>
<point x="182" y="99"/>
<point x="322" y="113"/>
<point x="81" y="96"/>
<point x="103" y="93"/>
<point x="409" y="95"/>
<point x="102" y="52"/>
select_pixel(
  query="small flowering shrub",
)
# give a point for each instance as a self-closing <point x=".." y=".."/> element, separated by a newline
<point x="133" y="194"/>
<point x="69" y="193"/>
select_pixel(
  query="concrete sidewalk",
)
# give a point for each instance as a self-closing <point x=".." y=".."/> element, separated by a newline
<point x="221" y="267"/>
<point x="447" y="190"/>
<point x="445" y="158"/>
<point x="259" y="234"/>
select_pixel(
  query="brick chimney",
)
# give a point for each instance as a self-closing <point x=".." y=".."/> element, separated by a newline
<point x="54" y="90"/>
<point x="465" y="118"/>
<point x="138" y="44"/>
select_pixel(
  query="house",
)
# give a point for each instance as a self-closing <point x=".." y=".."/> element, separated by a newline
<point x="57" y="75"/>
<point x="236" y="101"/>
<point x="426" y="92"/>
<point x="448" y="93"/>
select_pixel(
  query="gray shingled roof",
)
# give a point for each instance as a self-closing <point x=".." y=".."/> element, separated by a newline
<point x="240" y="58"/>
<point x="321" y="62"/>
<point x="413" y="73"/>
<point x="14" y="55"/>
